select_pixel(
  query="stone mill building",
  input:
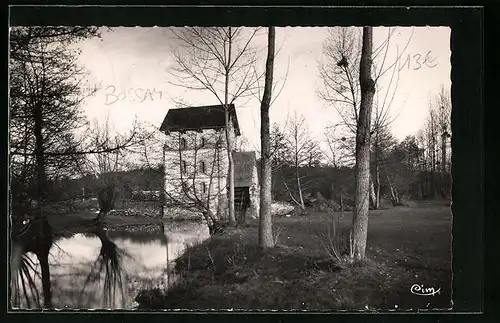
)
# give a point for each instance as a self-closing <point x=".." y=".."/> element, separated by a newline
<point x="196" y="163"/>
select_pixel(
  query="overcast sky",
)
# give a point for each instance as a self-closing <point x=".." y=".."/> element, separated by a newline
<point x="137" y="58"/>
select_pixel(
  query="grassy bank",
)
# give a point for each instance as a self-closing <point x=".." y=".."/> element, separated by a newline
<point x="406" y="246"/>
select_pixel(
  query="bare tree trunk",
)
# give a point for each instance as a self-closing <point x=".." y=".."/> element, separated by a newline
<point x="394" y="195"/>
<point x="162" y="192"/>
<point x="373" y="197"/>
<point x="377" y="184"/>
<point x="265" y="220"/>
<point x="299" y="188"/>
<point x="42" y="253"/>
<point x="229" y="140"/>
<point x="43" y="258"/>
<point x="341" y="202"/>
<point x="230" y="174"/>
<point x="39" y="158"/>
<point x="443" y="152"/>
<point x="362" y="170"/>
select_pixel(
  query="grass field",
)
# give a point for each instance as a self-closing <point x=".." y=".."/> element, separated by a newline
<point x="406" y="246"/>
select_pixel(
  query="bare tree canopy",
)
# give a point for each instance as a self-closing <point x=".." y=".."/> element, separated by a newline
<point x="339" y="72"/>
<point x="341" y="89"/>
<point x="299" y="150"/>
<point x="208" y="58"/>
<point x="45" y="100"/>
<point x="220" y="60"/>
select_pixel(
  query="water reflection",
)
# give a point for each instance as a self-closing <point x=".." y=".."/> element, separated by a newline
<point x="107" y="268"/>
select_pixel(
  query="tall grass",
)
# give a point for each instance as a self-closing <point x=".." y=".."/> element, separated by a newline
<point x="336" y="243"/>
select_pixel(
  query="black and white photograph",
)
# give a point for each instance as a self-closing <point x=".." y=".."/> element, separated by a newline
<point x="230" y="168"/>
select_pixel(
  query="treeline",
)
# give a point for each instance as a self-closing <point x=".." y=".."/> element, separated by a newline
<point x="337" y="184"/>
<point x="138" y="184"/>
<point x="421" y="161"/>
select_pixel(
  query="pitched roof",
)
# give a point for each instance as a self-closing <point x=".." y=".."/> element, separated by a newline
<point x="197" y="118"/>
<point x="244" y="164"/>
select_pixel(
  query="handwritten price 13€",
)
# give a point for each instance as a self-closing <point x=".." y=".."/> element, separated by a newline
<point x="417" y="61"/>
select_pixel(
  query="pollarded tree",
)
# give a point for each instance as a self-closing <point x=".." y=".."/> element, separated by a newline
<point x="108" y="157"/>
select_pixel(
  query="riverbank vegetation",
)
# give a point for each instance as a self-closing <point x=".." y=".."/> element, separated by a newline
<point x="408" y="245"/>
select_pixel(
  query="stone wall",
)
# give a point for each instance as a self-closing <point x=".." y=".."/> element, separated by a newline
<point x="196" y="172"/>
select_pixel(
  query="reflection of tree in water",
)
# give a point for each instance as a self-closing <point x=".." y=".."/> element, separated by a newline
<point x="111" y="279"/>
<point x="108" y="269"/>
<point x="30" y="233"/>
<point x="27" y="275"/>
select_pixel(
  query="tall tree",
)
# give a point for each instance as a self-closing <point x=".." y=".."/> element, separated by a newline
<point x="44" y="99"/>
<point x="443" y="105"/>
<point x="277" y="146"/>
<point x="339" y="151"/>
<point x="362" y="169"/>
<point x="47" y="140"/>
<point x="382" y="142"/>
<point x="341" y="88"/>
<point x="107" y="160"/>
<point x="300" y="150"/>
<point x="265" y="220"/>
<point x="219" y="60"/>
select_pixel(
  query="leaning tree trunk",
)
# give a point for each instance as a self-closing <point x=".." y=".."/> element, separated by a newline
<point x="373" y="196"/>
<point x="299" y="188"/>
<point x="265" y="221"/>
<point x="394" y="193"/>
<point x="362" y="170"/>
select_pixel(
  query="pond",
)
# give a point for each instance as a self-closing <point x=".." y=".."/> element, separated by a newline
<point x="92" y="272"/>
